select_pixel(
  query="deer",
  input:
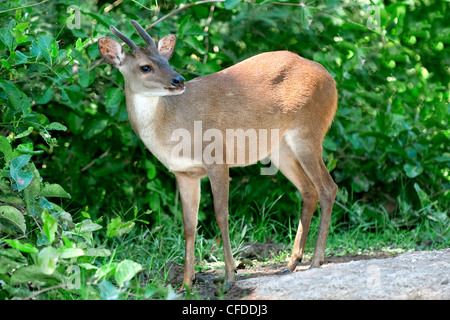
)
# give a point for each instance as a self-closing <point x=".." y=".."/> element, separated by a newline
<point x="277" y="90"/>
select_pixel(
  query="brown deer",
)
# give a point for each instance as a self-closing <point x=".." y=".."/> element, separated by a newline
<point x="276" y="91"/>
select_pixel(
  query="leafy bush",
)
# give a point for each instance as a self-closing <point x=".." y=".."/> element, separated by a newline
<point x="46" y="246"/>
<point x="70" y="160"/>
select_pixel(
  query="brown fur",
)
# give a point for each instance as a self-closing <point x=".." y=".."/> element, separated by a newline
<point x="274" y="90"/>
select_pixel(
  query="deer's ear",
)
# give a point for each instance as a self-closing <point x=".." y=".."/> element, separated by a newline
<point x="166" y="46"/>
<point x="111" y="51"/>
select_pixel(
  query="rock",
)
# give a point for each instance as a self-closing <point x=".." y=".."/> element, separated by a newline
<point x="412" y="275"/>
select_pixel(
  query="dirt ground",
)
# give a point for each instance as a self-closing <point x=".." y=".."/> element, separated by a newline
<point x="208" y="283"/>
<point x="264" y="280"/>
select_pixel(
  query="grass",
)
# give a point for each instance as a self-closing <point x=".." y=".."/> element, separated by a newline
<point x="156" y="243"/>
<point x="154" y="247"/>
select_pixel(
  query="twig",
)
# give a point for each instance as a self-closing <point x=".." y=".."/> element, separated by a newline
<point x="206" y="29"/>
<point x="174" y="12"/>
<point x="104" y="154"/>
<point x="44" y="290"/>
<point x="147" y="8"/>
<point x="342" y="206"/>
<point x="28" y="6"/>
<point x="96" y="63"/>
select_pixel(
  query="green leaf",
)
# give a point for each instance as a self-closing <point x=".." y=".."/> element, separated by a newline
<point x="195" y="44"/>
<point x="329" y="144"/>
<point x="8" y="265"/>
<point x="22" y="177"/>
<point x="108" y="291"/>
<point x="184" y="26"/>
<point x="27" y="148"/>
<point x="88" y="266"/>
<point x="6" y="64"/>
<point x="97" y="252"/>
<point x="443" y="158"/>
<point x="114" y="97"/>
<point x="48" y="260"/>
<point x="56" y="126"/>
<point x="44" y="46"/>
<point x="80" y="44"/>
<point x="125" y="271"/>
<point x="87" y="226"/>
<point x="94" y="127"/>
<point x="86" y="78"/>
<point x="33" y="274"/>
<point x="171" y="294"/>
<point x="6" y="149"/>
<point x="7" y="37"/>
<point x="32" y="191"/>
<point x="45" y="97"/>
<point x="412" y="171"/>
<point x="66" y="253"/>
<point x="54" y="190"/>
<point x="13" y="254"/>
<point x="20" y="58"/>
<point x="12" y="199"/>
<point x="24" y="133"/>
<point x="11" y="217"/>
<point x="18" y="100"/>
<point x="117" y="228"/>
<point x="105" y="270"/>
<point x="360" y="183"/>
<point x="154" y="201"/>
<point x="23" y="247"/>
<point x="50" y="226"/>
<point x="151" y="169"/>
<point x="37" y="120"/>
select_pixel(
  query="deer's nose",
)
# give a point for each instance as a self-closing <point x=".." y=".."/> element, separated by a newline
<point x="178" y="81"/>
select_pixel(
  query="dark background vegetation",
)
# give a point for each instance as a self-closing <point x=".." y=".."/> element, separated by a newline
<point x="388" y="148"/>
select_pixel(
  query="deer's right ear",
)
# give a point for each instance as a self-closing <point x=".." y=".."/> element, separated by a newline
<point x="111" y="51"/>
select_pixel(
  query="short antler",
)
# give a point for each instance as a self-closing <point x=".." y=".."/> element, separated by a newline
<point x="124" y="38"/>
<point x="143" y="34"/>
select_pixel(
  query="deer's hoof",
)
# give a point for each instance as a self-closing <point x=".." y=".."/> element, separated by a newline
<point x="285" y="271"/>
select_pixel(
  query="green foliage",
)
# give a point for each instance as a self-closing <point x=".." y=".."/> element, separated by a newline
<point x="69" y="157"/>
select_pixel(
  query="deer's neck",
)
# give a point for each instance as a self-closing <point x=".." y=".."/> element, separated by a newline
<point x="143" y="112"/>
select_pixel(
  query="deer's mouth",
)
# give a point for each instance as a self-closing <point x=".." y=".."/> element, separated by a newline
<point x="175" y="89"/>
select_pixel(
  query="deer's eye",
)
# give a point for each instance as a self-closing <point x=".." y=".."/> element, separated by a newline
<point x="146" y="68"/>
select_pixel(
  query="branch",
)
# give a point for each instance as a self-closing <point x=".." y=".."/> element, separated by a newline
<point x="28" y="6"/>
<point x="45" y="290"/>
<point x="104" y="154"/>
<point x="174" y="12"/>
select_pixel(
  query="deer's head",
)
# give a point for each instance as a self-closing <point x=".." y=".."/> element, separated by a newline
<point x="146" y="69"/>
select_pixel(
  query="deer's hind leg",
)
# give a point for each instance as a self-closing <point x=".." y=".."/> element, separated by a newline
<point x="308" y="151"/>
<point x="289" y="165"/>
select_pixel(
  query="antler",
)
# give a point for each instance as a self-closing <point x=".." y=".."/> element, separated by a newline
<point x="124" y="38"/>
<point x="143" y="34"/>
